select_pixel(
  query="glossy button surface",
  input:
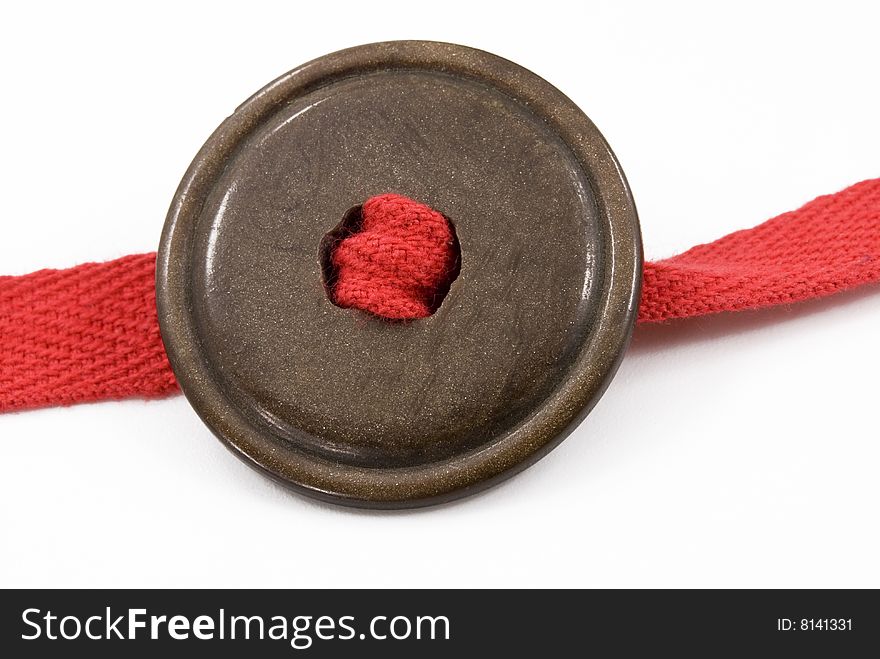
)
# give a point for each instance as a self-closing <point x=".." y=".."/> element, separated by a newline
<point x="355" y="409"/>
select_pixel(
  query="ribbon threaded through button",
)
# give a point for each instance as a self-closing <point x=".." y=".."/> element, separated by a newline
<point x="392" y="257"/>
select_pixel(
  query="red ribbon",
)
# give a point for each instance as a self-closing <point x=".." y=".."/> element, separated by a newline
<point x="91" y="332"/>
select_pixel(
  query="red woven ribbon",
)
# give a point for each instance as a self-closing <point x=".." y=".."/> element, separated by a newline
<point x="828" y="245"/>
<point x="91" y="333"/>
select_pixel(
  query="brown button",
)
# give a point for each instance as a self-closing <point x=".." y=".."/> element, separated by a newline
<point x="355" y="409"/>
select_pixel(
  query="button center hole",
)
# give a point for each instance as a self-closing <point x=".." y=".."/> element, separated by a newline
<point x="391" y="256"/>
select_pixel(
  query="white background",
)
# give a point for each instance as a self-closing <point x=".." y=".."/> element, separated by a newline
<point x="740" y="450"/>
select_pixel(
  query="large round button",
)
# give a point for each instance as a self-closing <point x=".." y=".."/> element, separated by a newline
<point x="356" y="409"/>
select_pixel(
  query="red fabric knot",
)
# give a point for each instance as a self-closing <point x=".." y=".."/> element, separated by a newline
<point x="398" y="263"/>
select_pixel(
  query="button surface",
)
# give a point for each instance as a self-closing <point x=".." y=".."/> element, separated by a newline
<point x="355" y="409"/>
